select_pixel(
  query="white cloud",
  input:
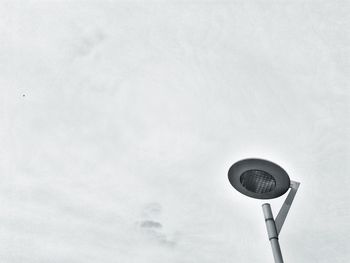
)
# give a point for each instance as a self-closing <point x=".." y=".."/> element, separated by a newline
<point x="133" y="113"/>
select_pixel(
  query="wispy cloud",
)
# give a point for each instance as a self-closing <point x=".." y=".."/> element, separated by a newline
<point x="133" y="113"/>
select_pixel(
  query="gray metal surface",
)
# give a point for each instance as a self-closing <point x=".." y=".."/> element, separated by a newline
<point x="282" y="214"/>
<point x="281" y="181"/>
<point x="272" y="233"/>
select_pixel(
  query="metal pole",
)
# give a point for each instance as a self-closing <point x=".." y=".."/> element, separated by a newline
<point x="272" y="233"/>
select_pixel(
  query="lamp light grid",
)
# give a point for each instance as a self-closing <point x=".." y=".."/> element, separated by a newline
<point x="258" y="181"/>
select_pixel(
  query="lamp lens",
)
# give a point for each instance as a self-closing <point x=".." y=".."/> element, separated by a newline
<point x="258" y="181"/>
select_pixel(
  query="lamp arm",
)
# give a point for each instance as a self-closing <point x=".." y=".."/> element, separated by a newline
<point x="282" y="214"/>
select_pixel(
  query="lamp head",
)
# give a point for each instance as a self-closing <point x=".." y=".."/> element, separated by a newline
<point x="259" y="178"/>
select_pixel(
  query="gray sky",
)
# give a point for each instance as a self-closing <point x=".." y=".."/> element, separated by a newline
<point x="120" y="120"/>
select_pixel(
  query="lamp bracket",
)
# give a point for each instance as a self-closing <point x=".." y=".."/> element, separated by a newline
<point x="282" y="214"/>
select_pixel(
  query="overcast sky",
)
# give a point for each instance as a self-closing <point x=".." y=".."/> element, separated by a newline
<point x="120" y="120"/>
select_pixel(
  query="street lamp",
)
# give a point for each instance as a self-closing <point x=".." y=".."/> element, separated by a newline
<point x="262" y="179"/>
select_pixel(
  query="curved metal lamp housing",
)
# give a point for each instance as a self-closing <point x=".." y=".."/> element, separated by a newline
<point x="259" y="178"/>
<point x="263" y="179"/>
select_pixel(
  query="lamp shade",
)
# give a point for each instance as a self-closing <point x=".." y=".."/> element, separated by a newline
<point x="259" y="178"/>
